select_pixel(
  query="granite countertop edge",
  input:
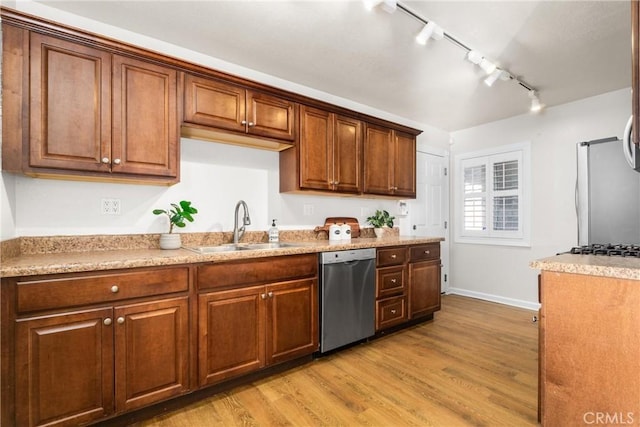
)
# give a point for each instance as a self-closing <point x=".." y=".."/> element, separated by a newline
<point x="96" y="260"/>
<point x="592" y="265"/>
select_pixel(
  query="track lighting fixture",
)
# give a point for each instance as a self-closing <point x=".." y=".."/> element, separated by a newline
<point x="536" y="106"/>
<point x="497" y="74"/>
<point x="433" y="31"/>
<point x="388" y="6"/>
<point x="430" y="31"/>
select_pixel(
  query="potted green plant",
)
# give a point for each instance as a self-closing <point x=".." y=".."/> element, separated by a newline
<point x="380" y="219"/>
<point x="178" y="214"/>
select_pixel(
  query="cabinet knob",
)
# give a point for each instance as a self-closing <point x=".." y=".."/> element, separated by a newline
<point x="427" y="252"/>
<point x="393" y="256"/>
<point x="263" y="296"/>
<point x="251" y="124"/>
<point x="270" y="294"/>
<point x="393" y="280"/>
<point x="120" y="320"/>
<point x="116" y="161"/>
<point x="393" y="311"/>
<point x="105" y="160"/>
<point x="107" y="321"/>
<point x="115" y="289"/>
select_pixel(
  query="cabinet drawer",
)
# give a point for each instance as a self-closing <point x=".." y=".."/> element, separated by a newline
<point x="81" y="290"/>
<point x="424" y="252"/>
<point x="390" y="281"/>
<point x="257" y="271"/>
<point x="390" y="312"/>
<point x="391" y="256"/>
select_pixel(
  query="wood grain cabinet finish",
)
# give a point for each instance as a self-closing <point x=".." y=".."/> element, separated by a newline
<point x="74" y="366"/>
<point x="328" y="156"/>
<point x="93" y="111"/>
<point x="389" y="162"/>
<point x="424" y="280"/>
<point x="243" y="328"/>
<point x="222" y="105"/>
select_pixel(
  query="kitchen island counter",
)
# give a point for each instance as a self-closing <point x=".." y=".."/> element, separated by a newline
<point x="74" y="261"/>
<point x="592" y="265"/>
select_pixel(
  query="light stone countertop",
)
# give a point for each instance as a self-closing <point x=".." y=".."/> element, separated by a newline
<point x="592" y="265"/>
<point x="95" y="260"/>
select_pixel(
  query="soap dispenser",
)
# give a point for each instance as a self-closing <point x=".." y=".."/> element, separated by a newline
<point x="273" y="232"/>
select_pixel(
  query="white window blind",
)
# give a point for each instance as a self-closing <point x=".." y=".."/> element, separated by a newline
<point x="492" y="196"/>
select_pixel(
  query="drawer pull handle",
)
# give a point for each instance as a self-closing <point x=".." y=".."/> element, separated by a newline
<point x="427" y="252"/>
<point x="393" y="311"/>
<point x="107" y="321"/>
<point x="393" y="256"/>
<point x="120" y="320"/>
<point x="115" y="289"/>
<point x="393" y="280"/>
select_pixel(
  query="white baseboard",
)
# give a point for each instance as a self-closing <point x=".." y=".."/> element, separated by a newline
<point x="495" y="298"/>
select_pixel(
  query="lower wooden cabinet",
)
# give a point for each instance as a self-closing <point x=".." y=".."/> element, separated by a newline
<point x="76" y="367"/>
<point x="243" y="330"/>
<point x="424" y="280"/>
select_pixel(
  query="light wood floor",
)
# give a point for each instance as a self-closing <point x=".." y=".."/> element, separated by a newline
<point x="474" y="365"/>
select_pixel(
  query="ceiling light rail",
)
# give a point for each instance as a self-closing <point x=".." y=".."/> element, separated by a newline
<point x="432" y="31"/>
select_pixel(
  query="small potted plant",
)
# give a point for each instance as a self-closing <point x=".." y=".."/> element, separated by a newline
<point x="380" y="219"/>
<point x="178" y="214"/>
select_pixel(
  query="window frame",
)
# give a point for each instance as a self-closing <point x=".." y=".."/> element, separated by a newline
<point x="489" y="236"/>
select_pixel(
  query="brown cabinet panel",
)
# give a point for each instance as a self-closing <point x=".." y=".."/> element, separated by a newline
<point x="404" y="168"/>
<point x="256" y="271"/>
<point x="213" y="103"/>
<point x="378" y="160"/>
<point x="292" y="320"/>
<point x="316" y="149"/>
<point x="145" y="119"/>
<point x="151" y="358"/>
<point x="424" y="288"/>
<point x="231" y="333"/>
<point x="347" y="154"/>
<point x="430" y="251"/>
<point x="270" y="116"/>
<point x="72" y="291"/>
<point x="391" y="256"/>
<point x="390" y="281"/>
<point x="64" y="368"/>
<point x="69" y="105"/>
<point x="391" y="312"/>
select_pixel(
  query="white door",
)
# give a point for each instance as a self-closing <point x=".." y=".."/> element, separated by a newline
<point x="431" y="214"/>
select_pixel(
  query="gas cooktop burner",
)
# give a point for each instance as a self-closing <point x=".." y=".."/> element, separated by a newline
<point x="607" y="249"/>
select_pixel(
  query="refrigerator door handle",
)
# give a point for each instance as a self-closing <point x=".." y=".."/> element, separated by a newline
<point x="627" y="144"/>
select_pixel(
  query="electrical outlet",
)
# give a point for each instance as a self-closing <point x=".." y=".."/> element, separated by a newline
<point x="307" y="209"/>
<point x="110" y="206"/>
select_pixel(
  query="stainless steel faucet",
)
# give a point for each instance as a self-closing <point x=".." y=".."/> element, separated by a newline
<point x="239" y="232"/>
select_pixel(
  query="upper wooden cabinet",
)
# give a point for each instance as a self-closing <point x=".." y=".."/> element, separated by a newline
<point x="389" y="162"/>
<point x="328" y="156"/>
<point x="224" y="106"/>
<point x="90" y="112"/>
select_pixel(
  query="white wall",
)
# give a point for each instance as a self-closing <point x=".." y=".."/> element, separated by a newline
<point x="502" y="273"/>
<point x="213" y="176"/>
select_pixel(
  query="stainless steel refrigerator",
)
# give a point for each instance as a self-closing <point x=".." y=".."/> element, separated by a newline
<point x="607" y="194"/>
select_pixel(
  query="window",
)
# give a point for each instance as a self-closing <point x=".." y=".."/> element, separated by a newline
<point x="494" y="196"/>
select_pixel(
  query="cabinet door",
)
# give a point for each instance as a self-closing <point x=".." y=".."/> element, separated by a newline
<point x="316" y="149"/>
<point x="292" y="320"/>
<point x="378" y="160"/>
<point x="145" y="122"/>
<point x="230" y="333"/>
<point x="64" y="368"/>
<point x="347" y="157"/>
<point x="151" y="341"/>
<point x="270" y="116"/>
<point x="424" y="288"/>
<point x="213" y="103"/>
<point x="404" y="165"/>
<point x="70" y="105"/>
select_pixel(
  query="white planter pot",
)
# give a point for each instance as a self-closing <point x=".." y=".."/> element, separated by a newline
<point x="379" y="232"/>
<point x="170" y="241"/>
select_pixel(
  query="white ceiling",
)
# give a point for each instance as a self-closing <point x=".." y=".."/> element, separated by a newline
<point x="567" y="50"/>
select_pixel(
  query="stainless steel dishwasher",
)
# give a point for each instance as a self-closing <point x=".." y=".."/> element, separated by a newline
<point x="347" y="297"/>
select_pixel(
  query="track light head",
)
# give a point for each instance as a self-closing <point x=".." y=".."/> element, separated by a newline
<point x="497" y="74"/>
<point x="388" y="6"/>
<point x="487" y="66"/>
<point x="430" y="31"/>
<point x="474" y="57"/>
<point x="536" y="106"/>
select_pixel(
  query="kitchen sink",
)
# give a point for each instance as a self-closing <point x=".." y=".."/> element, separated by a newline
<point x="241" y="247"/>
